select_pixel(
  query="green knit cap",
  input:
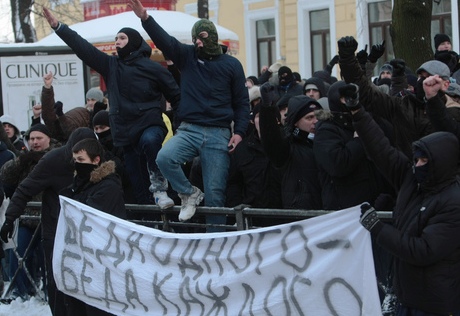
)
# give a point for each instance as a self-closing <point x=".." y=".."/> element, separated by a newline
<point x="211" y="45"/>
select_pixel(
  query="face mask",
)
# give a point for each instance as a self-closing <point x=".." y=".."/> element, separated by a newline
<point x="84" y="169"/>
<point x="211" y="47"/>
<point x="421" y="173"/>
<point x="105" y="138"/>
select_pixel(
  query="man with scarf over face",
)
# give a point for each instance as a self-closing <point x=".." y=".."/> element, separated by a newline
<point x="136" y="86"/>
<point x="407" y="114"/>
<point x="213" y="94"/>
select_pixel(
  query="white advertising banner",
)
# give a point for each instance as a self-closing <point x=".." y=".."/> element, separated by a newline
<point x="318" y="266"/>
<point x="22" y="82"/>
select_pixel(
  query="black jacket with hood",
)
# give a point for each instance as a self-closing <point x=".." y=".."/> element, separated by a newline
<point x="52" y="173"/>
<point x="293" y="152"/>
<point x="425" y="236"/>
<point x="347" y="176"/>
<point x="135" y="85"/>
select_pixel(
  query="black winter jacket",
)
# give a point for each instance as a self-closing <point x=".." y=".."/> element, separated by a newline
<point x="103" y="191"/>
<point x="425" y="238"/>
<point x="300" y="185"/>
<point x="253" y="179"/>
<point x="406" y="114"/>
<point x="135" y="85"/>
<point x="52" y="173"/>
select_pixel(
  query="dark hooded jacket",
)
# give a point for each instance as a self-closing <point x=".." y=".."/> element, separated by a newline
<point x="135" y="84"/>
<point x="293" y="152"/>
<point x="252" y="178"/>
<point x="406" y="114"/>
<point x="425" y="236"/>
<point x="102" y="191"/>
<point x="347" y="176"/>
<point x="52" y="173"/>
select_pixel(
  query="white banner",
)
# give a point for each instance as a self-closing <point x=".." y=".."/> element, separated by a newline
<point x="319" y="266"/>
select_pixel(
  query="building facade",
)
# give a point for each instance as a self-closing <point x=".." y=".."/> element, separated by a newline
<point x="301" y="34"/>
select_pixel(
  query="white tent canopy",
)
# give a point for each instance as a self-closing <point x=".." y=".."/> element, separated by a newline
<point x="103" y="30"/>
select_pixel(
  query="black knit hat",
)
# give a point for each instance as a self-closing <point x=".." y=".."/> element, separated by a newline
<point x="134" y="42"/>
<point x="440" y="38"/>
<point x="38" y="128"/>
<point x="101" y="118"/>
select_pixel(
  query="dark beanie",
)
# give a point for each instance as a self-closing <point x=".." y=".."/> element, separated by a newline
<point x="134" y="42"/>
<point x="38" y="128"/>
<point x="101" y="118"/>
<point x="440" y="38"/>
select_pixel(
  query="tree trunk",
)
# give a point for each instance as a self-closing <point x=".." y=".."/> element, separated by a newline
<point x="203" y="9"/>
<point x="411" y="31"/>
<point x="23" y="29"/>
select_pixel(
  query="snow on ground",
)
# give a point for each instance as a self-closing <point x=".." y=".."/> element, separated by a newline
<point x="32" y="307"/>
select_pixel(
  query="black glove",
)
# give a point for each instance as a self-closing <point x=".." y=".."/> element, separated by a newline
<point x="369" y="218"/>
<point x="58" y="108"/>
<point x="347" y="46"/>
<point x="362" y="56"/>
<point x="266" y="93"/>
<point x="351" y="94"/>
<point x="334" y="61"/>
<point x="399" y="67"/>
<point x="384" y="202"/>
<point x="7" y="230"/>
<point x="377" y="51"/>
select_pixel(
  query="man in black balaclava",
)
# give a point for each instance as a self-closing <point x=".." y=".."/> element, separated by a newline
<point x="134" y="41"/>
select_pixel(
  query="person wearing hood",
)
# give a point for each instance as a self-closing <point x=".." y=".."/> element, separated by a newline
<point x="214" y="94"/>
<point x="51" y="174"/>
<point x="407" y="113"/>
<point x="97" y="185"/>
<point x="347" y="176"/>
<point x="314" y="88"/>
<point x="13" y="132"/>
<point x="291" y="148"/>
<point x="424" y="237"/>
<point x="136" y="85"/>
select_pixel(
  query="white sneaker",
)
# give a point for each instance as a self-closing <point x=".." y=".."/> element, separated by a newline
<point x="162" y="199"/>
<point x="189" y="203"/>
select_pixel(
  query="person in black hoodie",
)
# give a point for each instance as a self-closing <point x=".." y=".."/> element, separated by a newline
<point x="136" y="85"/>
<point x="425" y="236"/>
<point x="291" y="149"/>
<point x="95" y="184"/>
<point x="52" y="173"/>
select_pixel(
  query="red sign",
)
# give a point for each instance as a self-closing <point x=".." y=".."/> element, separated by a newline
<point x="97" y="9"/>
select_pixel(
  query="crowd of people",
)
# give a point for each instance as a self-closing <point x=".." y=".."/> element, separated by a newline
<point x="201" y="131"/>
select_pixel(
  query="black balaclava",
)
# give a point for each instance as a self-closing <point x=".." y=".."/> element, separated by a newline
<point x="285" y="76"/>
<point x="421" y="172"/>
<point x="134" y="42"/>
<point x="211" y="47"/>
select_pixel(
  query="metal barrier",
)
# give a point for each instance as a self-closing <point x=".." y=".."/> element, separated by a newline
<point x="240" y="217"/>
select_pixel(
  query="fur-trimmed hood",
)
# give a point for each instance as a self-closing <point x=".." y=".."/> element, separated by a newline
<point x="105" y="169"/>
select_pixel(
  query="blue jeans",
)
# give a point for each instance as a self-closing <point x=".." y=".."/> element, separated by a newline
<point x="146" y="148"/>
<point x="210" y="144"/>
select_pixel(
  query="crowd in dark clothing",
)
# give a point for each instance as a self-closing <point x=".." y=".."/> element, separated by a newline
<point x="343" y="143"/>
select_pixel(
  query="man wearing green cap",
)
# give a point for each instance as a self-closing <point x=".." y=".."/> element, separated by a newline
<point x="213" y="94"/>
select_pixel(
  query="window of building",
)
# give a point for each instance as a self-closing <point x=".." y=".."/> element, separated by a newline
<point x="441" y="20"/>
<point x="320" y="39"/>
<point x="266" y="42"/>
<point x="379" y="30"/>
